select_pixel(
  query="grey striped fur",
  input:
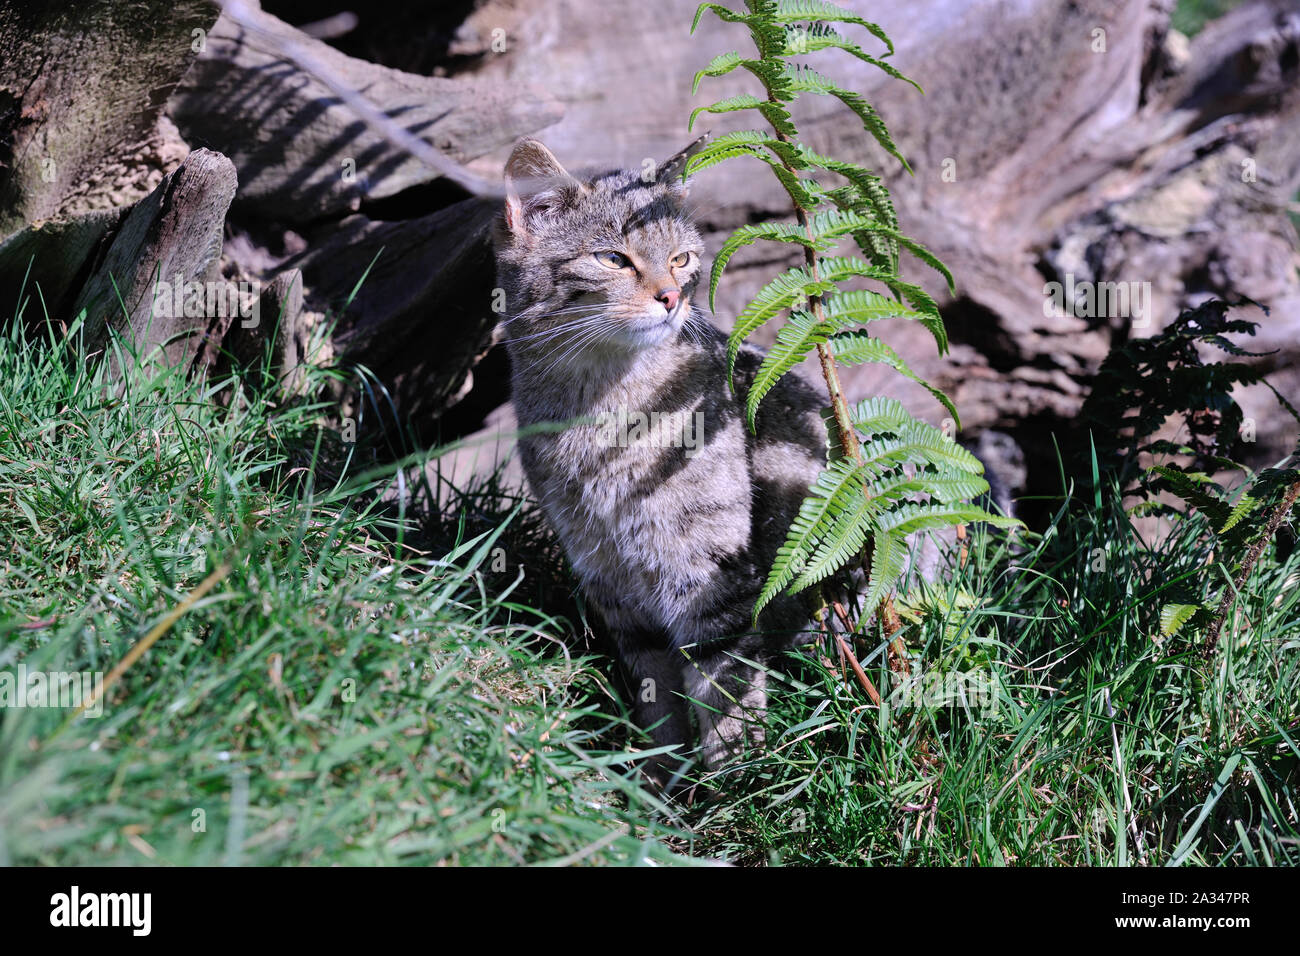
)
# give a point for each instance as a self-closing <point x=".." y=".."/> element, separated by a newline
<point x="670" y="528"/>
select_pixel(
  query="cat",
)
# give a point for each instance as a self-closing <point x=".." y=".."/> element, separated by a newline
<point x="669" y="509"/>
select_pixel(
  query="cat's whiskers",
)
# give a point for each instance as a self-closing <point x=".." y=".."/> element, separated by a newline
<point x="581" y="342"/>
<point x="560" y="329"/>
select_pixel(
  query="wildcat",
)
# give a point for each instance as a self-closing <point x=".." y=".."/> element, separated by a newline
<point x="668" y="508"/>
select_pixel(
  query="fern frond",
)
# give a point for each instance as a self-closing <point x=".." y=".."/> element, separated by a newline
<point x="873" y="416"/>
<point x="822" y="37"/>
<point x="1198" y="490"/>
<point x="842" y="535"/>
<point x="748" y="235"/>
<point x="792" y="11"/>
<point x="900" y="486"/>
<point x="1239" y="511"/>
<point x="919" y="443"/>
<point x="860" y="223"/>
<point x="837" y="486"/>
<point x="769" y="72"/>
<point x="723" y="13"/>
<point x="748" y="143"/>
<point x="774" y="113"/>
<point x="779" y="294"/>
<point x="742" y="142"/>
<point x="765" y="29"/>
<point x="805" y="80"/>
<point x="801" y="334"/>
<point x="888" y="561"/>
<point x="866" y="188"/>
<point x="1174" y="616"/>
<point x="720" y="65"/>
<point x="913" y="517"/>
<point x="837" y="268"/>
<point x="860" y="305"/>
<point x="860" y="348"/>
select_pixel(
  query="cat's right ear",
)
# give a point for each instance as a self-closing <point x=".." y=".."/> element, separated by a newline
<point x="532" y="169"/>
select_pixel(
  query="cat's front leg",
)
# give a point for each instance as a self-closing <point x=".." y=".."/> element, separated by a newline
<point x="654" y="673"/>
<point x="720" y="652"/>
<point x="730" y="700"/>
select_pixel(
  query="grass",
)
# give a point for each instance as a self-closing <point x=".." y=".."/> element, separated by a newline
<point x="338" y="697"/>
<point x="1088" y="740"/>
<point x="367" y="687"/>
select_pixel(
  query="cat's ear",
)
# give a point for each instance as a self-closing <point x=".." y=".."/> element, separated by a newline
<point x="670" y="171"/>
<point x="530" y="170"/>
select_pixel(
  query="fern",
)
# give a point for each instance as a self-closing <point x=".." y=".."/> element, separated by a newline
<point x="889" y="475"/>
<point x="1146" y="384"/>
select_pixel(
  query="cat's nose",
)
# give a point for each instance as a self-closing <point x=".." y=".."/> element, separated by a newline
<point x="668" y="297"/>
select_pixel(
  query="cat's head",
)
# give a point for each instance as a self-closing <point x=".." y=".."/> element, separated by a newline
<point x="610" y="261"/>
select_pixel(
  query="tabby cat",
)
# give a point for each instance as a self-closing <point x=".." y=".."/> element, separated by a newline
<point x="668" y="508"/>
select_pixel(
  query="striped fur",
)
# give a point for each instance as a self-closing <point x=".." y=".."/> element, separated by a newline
<point x="671" y="527"/>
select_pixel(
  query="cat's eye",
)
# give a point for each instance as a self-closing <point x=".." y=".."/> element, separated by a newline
<point x="681" y="260"/>
<point x="612" y="260"/>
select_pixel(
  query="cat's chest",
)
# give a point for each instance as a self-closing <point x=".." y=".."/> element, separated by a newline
<point x="641" y="492"/>
<point x="622" y="453"/>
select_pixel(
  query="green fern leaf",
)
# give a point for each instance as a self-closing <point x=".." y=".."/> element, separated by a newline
<point x="805" y="80"/>
<point x="779" y="294"/>
<point x="770" y="73"/>
<point x="874" y="416"/>
<point x="841" y="535"/>
<point x="1198" y="490"/>
<point x="1174" y="616"/>
<point x="766" y="31"/>
<point x="747" y="235"/>
<point x="801" y="334"/>
<point x="837" y="485"/>
<point x="837" y="268"/>
<point x="860" y="305"/>
<point x="774" y="113"/>
<point x="723" y="13"/>
<point x="913" y="517"/>
<point x="860" y="348"/>
<point x="748" y="143"/>
<point x="888" y="561"/>
<point x="919" y="443"/>
<point x="720" y="65"/>
<point x="793" y="11"/>
<point x="822" y="37"/>
<point x="866" y="188"/>
<point x="1240" y="511"/>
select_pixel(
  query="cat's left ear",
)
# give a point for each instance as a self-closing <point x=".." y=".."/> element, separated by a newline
<point x="670" y="171"/>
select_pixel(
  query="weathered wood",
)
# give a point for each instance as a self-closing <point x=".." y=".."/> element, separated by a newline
<point x="301" y="153"/>
<point x="82" y="87"/>
<point x="46" y="262"/>
<point x="423" y="316"/>
<point x="165" y="252"/>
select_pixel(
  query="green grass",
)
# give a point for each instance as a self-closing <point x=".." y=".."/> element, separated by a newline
<point x="338" y="696"/>
<point x="1101" y="744"/>
<point x="366" y="687"/>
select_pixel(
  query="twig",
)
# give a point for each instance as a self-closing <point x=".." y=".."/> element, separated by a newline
<point x="239" y="12"/>
<point x="846" y="652"/>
